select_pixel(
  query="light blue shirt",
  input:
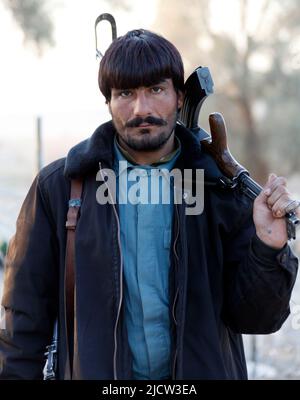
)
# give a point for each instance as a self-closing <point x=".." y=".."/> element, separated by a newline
<point x="145" y="243"/>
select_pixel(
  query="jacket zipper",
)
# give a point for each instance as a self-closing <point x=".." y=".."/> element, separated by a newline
<point x="177" y="291"/>
<point x="121" y="279"/>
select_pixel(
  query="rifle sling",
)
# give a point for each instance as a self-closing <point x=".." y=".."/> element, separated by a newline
<point x="72" y="218"/>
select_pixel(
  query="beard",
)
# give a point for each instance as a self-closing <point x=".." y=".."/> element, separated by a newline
<point x="145" y="139"/>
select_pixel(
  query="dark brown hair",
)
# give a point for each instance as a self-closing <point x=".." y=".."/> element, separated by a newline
<point x="139" y="58"/>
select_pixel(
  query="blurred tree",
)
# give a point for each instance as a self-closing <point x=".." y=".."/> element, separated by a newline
<point x="33" y="18"/>
<point x="256" y="69"/>
<point x="3" y="248"/>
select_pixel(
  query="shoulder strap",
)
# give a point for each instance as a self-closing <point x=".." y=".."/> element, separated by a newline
<point x="72" y="218"/>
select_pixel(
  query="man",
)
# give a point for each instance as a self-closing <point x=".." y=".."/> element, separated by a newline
<point x="159" y="294"/>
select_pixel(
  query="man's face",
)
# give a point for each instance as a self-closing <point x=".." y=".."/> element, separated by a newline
<point x="145" y="117"/>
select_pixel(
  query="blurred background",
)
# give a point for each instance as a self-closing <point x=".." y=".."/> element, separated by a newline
<point x="50" y="100"/>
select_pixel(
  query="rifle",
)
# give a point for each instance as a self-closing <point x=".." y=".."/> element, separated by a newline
<point x="197" y="87"/>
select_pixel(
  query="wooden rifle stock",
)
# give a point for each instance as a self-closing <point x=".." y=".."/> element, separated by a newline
<point x="217" y="147"/>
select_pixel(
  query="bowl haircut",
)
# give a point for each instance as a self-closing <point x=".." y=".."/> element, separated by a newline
<point x="140" y="58"/>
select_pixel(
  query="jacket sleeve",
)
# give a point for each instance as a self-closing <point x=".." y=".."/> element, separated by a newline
<point x="258" y="282"/>
<point x="30" y="295"/>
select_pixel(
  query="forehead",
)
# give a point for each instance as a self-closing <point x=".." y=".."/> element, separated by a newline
<point x="163" y="82"/>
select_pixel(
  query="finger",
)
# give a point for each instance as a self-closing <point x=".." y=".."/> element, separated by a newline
<point x="275" y="191"/>
<point x="276" y="182"/>
<point x="292" y="206"/>
<point x="276" y="194"/>
<point x="279" y="207"/>
<point x="267" y="187"/>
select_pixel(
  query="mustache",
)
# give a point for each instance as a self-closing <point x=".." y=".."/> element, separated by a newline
<point x="136" y="122"/>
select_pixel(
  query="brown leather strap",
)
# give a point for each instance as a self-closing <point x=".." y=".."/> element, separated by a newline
<point x="72" y="218"/>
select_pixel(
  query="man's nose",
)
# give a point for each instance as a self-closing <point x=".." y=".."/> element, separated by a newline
<point x="142" y="105"/>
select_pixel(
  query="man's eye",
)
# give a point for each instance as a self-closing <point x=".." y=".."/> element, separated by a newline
<point x="156" y="89"/>
<point x="125" y="93"/>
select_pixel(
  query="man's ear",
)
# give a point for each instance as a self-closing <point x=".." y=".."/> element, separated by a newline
<point x="180" y="97"/>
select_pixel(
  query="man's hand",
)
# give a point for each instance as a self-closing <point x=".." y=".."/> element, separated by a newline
<point x="269" y="212"/>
